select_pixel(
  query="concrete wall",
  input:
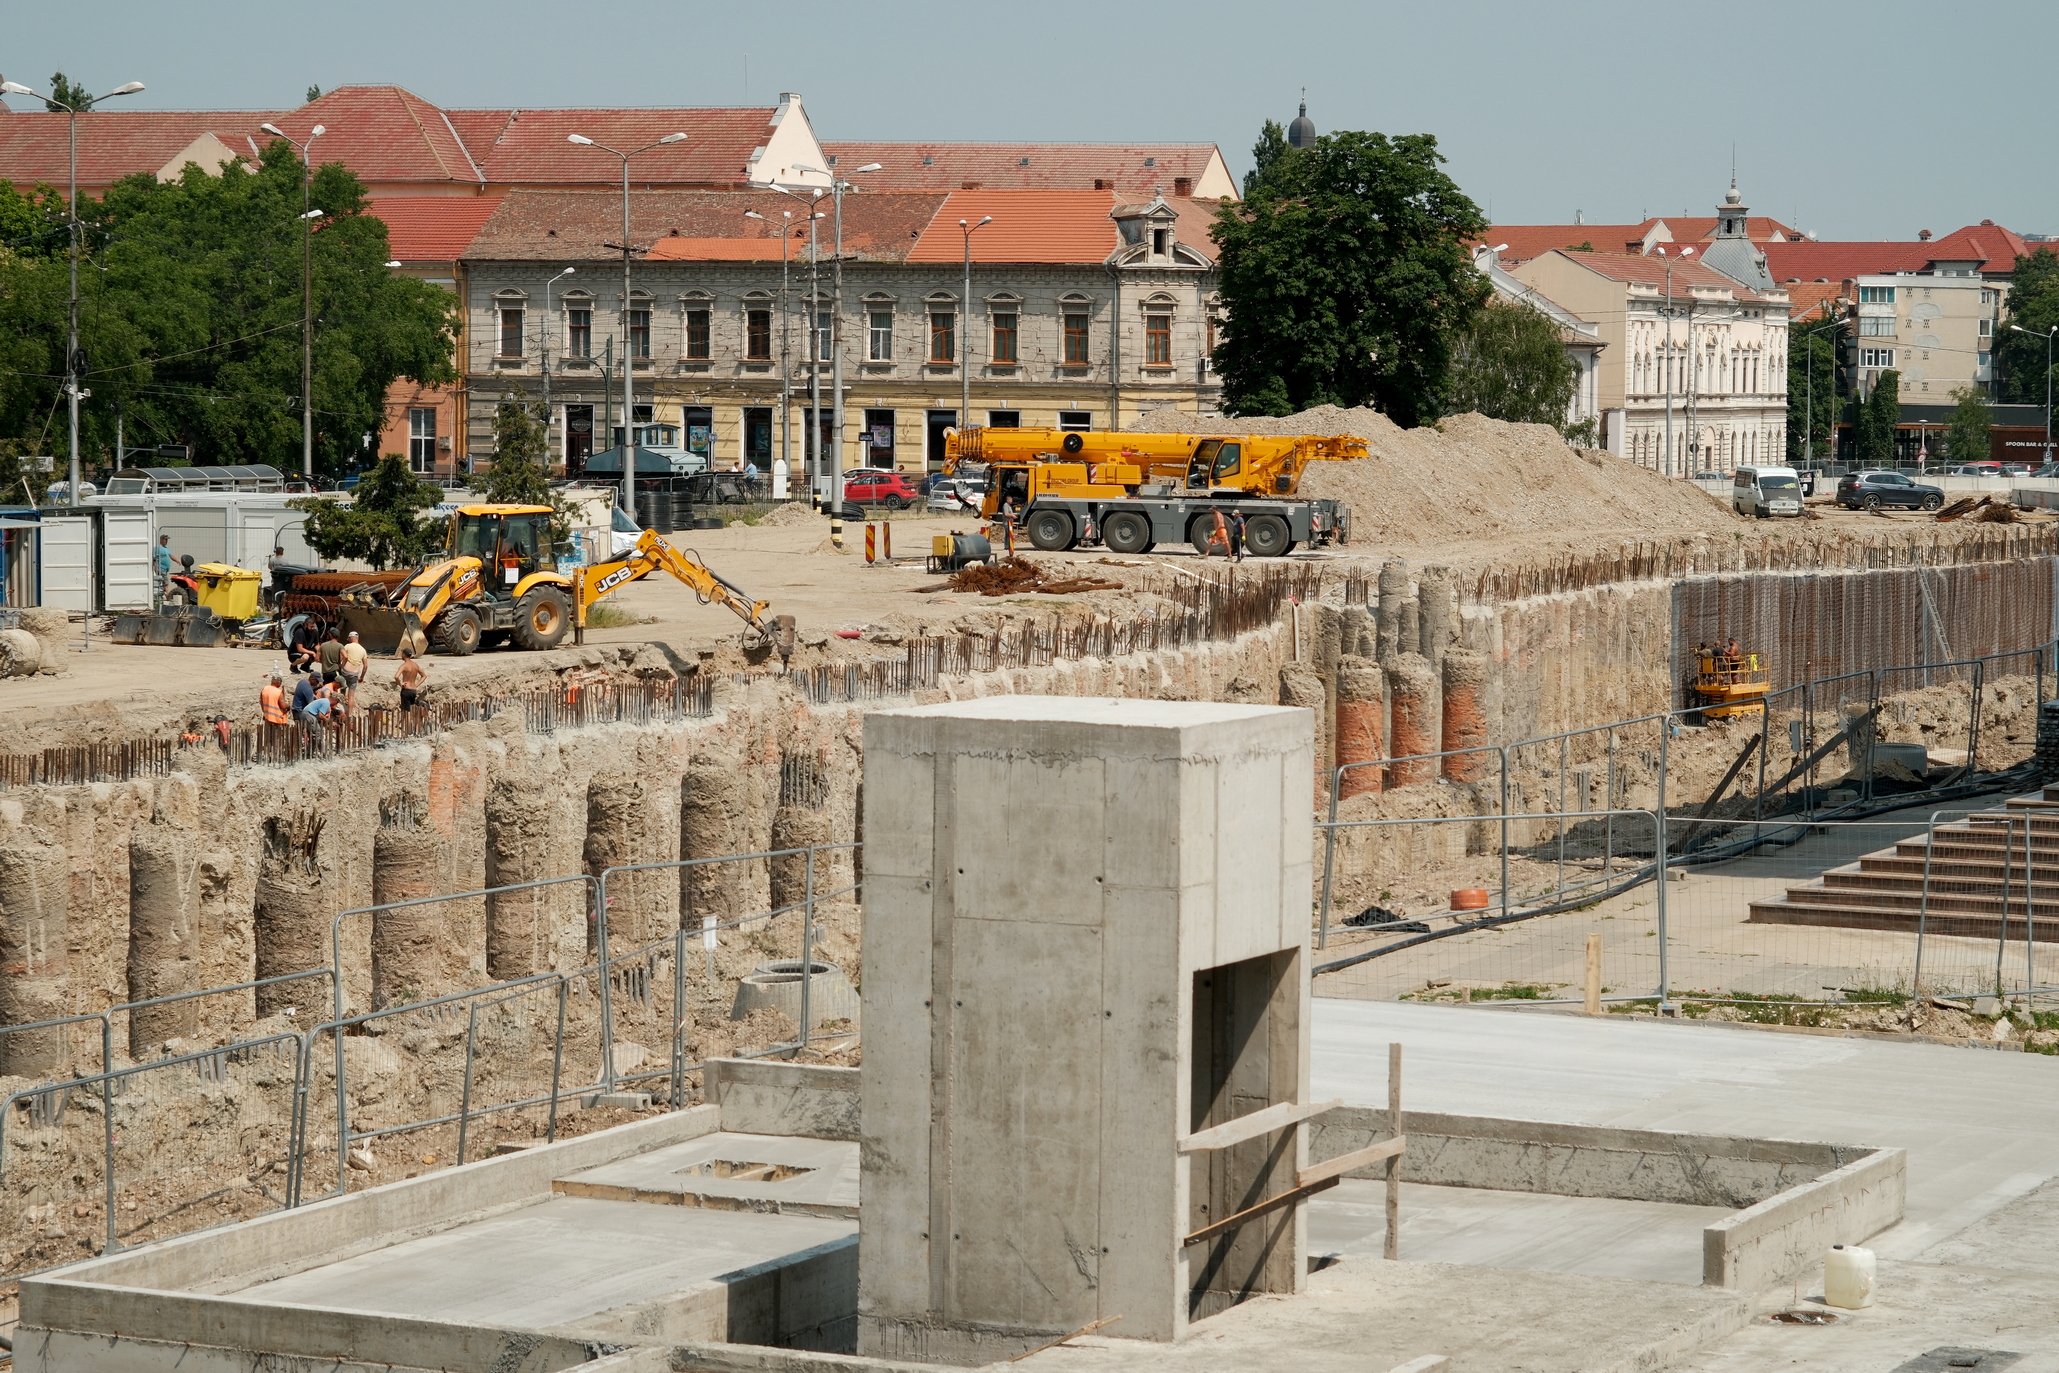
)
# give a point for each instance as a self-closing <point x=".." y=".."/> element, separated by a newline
<point x="1043" y="885"/>
<point x="762" y="1097"/>
<point x="1786" y="1234"/>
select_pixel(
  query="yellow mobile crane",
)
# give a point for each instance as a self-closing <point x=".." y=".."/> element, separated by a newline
<point x="1134" y="491"/>
<point x="498" y="580"/>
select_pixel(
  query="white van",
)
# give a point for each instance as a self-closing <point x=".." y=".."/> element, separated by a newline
<point x="1763" y="492"/>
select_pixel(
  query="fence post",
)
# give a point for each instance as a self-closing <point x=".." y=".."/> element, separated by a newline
<point x="807" y="946"/>
<point x="1504" y="751"/>
<point x="1322" y="938"/>
<point x="1666" y="1006"/>
<point x="2008" y="876"/>
<point x="679" y="1016"/>
<point x="557" y="1063"/>
<point x="607" y="986"/>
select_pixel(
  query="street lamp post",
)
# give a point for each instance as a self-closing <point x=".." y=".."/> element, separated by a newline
<point x="308" y="215"/>
<point x="547" y="330"/>
<point x="965" y="330"/>
<point x="786" y="372"/>
<point x="837" y="187"/>
<point x="628" y="351"/>
<point x="1667" y="368"/>
<point x="1809" y="411"/>
<point x="73" y="225"/>
<point x="2048" y="381"/>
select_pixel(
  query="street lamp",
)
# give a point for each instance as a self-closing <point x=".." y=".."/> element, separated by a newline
<point x="73" y="225"/>
<point x="1809" y="413"/>
<point x="786" y="371"/>
<point x="628" y="361"/>
<point x="813" y="439"/>
<point x="965" y="332"/>
<point x="2048" y="381"/>
<point x="307" y="302"/>
<point x="1667" y="370"/>
<point x="837" y="187"/>
<point x="547" y="318"/>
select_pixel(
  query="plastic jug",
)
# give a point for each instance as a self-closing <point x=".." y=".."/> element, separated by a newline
<point x="1848" y="1276"/>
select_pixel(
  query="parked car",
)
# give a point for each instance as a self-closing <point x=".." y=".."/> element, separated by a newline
<point x="1975" y="469"/>
<point x="1871" y="487"/>
<point x="2016" y="469"/>
<point x="872" y="486"/>
<point x="2050" y="469"/>
<point x="955" y="496"/>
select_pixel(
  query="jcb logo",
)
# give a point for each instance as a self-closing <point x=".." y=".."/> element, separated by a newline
<point x="465" y="582"/>
<point x="613" y="579"/>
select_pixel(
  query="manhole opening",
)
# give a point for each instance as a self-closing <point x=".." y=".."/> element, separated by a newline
<point x="1802" y="1318"/>
<point x="743" y="1170"/>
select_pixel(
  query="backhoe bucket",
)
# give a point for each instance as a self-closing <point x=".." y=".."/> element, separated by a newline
<point x="383" y="630"/>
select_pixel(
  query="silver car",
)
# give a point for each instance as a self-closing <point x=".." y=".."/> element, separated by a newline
<point x="956" y="496"/>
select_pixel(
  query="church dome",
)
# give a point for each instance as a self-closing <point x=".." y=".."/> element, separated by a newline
<point x="1301" y="133"/>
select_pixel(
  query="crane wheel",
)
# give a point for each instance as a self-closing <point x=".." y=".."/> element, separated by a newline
<point x="541" y="618"/>
<point x="457" y="632"/>
<point x="1267" y="536"/>
<point x="1051" y="530"/>
<point x="1126" y="531"/>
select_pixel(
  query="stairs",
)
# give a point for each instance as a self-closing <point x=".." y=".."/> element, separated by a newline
<point x="1972" y="861"/>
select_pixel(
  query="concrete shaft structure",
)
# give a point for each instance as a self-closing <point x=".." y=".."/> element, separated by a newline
<point x="164" y="934"/>
<point x="407" y="944"/>
<point x="518" y="923"/>
<point x="1466" y="675"/>
<point x="1416" y="730"/>
<point x="35" y="906"/>
<point x="1398" y="619"/>
<point x="1086" y="927"/>
<point x="1437" y="613"/>
<point x="1361" y="711"/>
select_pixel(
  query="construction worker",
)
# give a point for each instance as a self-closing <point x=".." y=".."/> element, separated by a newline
<point x="352" y="661"/>
<point x="1218" y="533"/>
<point x="272" y="700"/>
<point x="1237" y="536"/>
<point x="160" y="569"/>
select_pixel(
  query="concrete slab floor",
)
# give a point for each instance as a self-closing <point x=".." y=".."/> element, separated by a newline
<point x="1598" y="1236"/>
<point x="1978" y="1125"/>
<point x="808" y="1176"/>
<point x="551" y="1263"/>
<point x="1368" y="1315"/>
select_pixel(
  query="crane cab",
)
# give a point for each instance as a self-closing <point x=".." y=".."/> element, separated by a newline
<point x="512" y="543"/>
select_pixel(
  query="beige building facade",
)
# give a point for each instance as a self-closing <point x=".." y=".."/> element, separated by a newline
<point x="1937" y="331"/>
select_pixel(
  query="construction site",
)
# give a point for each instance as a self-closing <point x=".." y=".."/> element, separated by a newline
<point x="1536" y="913"/>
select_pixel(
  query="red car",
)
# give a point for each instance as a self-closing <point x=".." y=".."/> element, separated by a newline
<point x="878" y="487"/>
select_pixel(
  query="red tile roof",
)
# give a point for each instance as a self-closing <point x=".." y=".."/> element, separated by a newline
<point x="115" y="143"/>
<point x="385" y="134"/>
<point x="1986" y="242"/>
<point x="1029" y="226"/>
<point x="1651" y="270"/>
<point x="1813" y="302"/>
<point x="529" y="147"/>
<point x="1694" y="228"/>
<point x="1526" y="241"/>
<point x="1032" y="166"/>
<point x="1835" y="262"/>
<point x="432" y="228"/>
<point x="576" y="226"/>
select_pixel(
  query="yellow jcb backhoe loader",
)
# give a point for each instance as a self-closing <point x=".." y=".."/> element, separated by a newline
<point x="498" y="580"/>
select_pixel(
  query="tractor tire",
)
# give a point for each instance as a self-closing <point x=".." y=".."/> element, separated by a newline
<point x="1051" y="530"/>
<point x="457" y="632"/>
<point x="1267" y="536"/>
<point x="542" y="617"/>
<point x="1127" y="531"/>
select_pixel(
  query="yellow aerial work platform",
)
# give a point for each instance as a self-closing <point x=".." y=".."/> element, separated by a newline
<point x="1731" y="684"/>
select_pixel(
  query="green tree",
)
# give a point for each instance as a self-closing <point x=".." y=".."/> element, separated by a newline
<point x="19" y="481"/>
<point x="1806" y="406"/>
<point x="1346" y="279"/>
<point x="66" y="95"/>
<point x="2034" y="306"/>
<point x="519" y="475"/>
<point x="382" y="524"/>
<point x="1967" y="437"/>
<point x="191" y="317"/>
<point x="1270" y="151"/>
<point x="314" y="93"/>
<point x="1876" y="417"/>
<point x="1512" y="365"/>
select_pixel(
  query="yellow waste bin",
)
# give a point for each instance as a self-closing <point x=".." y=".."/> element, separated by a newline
<point x="230" y="592"/>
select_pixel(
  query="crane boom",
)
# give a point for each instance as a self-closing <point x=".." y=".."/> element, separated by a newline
<point x="652" y="553"/>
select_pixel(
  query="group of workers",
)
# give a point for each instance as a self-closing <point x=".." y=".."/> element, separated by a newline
<point x="331" y="667"/>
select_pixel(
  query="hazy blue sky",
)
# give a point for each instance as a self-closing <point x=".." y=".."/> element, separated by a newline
<point x="1852" y="120"/>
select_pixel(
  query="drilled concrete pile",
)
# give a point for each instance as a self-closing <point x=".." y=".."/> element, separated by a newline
<point x="1470" y="478"/>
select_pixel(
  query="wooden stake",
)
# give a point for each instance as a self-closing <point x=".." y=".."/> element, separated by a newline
<point x="1393" y="1247"/>
<point x="1593" y="1006"/>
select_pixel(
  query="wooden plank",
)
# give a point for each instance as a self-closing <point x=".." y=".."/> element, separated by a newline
<point x="1344" y="1163"/>
<point x="1252" y="1126"/>
<point x="1087" y="1329"/>
<point x="1249" y="1213"/>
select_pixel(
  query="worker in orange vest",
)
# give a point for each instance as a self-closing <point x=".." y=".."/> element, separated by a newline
<point x="273" y="699"/>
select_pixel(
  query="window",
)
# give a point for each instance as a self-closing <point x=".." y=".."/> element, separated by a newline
<point x="1987" y="328"/>
<point x="1877" y="326"/>
<point x="1004" y="419"/>
<point x="1876" y="357"/>
<point x="1159" y="238"/>
<point x="639" y="333"/>
<point x="1158" y="340"/>
<point x="422" y="440"/>
<point x="1876" y="295"/>
<point x="1075" y="340"/>
<point x="1985" y="358"/>
<point x="1075" y="421"/>
<point x="1004" y="339"/>
<point x="511" y="332"/>
<point x="697" y="333"/>
<point x="822" y="336"/>
<point x="579" y="333"/>
<point x="758" y="335"/>
<point x="879" y="336"/>
<point x="943" y="336"/>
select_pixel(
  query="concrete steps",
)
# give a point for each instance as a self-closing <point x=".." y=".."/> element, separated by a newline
<point x="1977" y="880"/>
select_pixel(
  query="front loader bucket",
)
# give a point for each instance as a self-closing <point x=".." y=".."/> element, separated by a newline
<point x="383" y="630"/>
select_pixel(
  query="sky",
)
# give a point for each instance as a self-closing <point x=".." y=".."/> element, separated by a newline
<point x="1846" y="120"/>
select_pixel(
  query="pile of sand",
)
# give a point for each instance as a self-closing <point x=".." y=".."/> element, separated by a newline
<point x="793" y="512"/>
<point x="1474" y="478"/>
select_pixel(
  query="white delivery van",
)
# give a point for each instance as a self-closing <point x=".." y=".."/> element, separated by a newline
<point x="1763" y="492"/>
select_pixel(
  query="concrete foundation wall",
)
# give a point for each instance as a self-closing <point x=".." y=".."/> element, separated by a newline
<point x="1785" y="1235"/>
<point x="761" y="1097"/>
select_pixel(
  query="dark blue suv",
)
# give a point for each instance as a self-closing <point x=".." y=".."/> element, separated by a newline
<point x="1871" y="488"/>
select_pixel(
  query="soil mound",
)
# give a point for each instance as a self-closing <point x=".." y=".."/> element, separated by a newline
<point x="1470" y="477"/>
<point x="793" y="512"/>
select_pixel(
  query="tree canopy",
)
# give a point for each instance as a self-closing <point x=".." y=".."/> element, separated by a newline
<point x="1874" y="419"/>
<point x="1346" y="279"/>
<point x="190" y="315"/>
<point x="382" y="524"/>
<point x="2034" y="305"/>
<point x="1967" y="437"/>
<point x="1806" y="407"/>
<point x="520" y="474"/>
<point x="1512" y="365"/>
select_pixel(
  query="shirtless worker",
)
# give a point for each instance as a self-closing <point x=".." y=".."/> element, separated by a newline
<point x="409" y="676"/>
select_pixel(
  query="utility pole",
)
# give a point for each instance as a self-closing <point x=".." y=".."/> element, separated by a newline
<point x="1666" y="468"/>
<point x="965" y="333"/>
<point x="308" y="216"/>
<point x="2049" y="333"/>
<point x="837" y="187"/>
<point x="786" y="374"/>
<point x="72" y="360"/>
<point x="546" y="332"/>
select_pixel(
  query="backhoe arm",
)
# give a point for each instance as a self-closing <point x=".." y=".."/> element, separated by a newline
<point x="653" y="553"/>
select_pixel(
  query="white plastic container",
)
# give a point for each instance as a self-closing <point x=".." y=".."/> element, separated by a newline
<point x="1848" y="1277"/>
